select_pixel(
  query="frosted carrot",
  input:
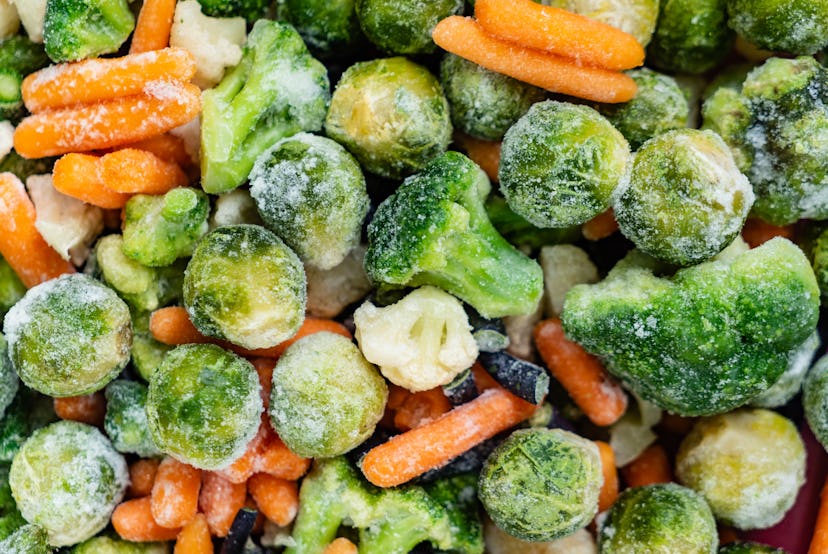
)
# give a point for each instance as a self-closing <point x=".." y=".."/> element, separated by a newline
<point x="277" y="499"/>
<point x="194" y="537"/>
<point x="133" y="521"/>
<point x="601" y="226"/>
<point x="264" y="368"/>
<point x="141" y="477"/>
<point x="175" y="493"/>
<point x="649" y="468"/>
<point x="485" y="153"/>
<point x="152" y="30"/>
<point x="464" y="37"/>
<point x="80" y="176"/>
<point x="341" y="545"/>
<point x="609" y="490"/>
<point x="219" y="501"/>
<point x="130" y="170"/>
<point x="21" y="244"/>
<point x="276" y="459"/>
<point x="420" y="408"/>
<point x="168" y="147"/>
<point x="90" y="408"/>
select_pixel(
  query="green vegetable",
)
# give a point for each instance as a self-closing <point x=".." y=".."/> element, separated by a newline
<point x="815" y="399"/>
<point x="11" y="288"/>
<point x="788" y="386"/>
<point x="147" y="352"/>
<point x="8" y="378"/>
<point x="251" y="10"/>
<point x="20" y="54"/>
<point x="126" y="418"/>
<point x="78" y="29"/>
<point x="636" y="17"/>
<point x="11" y="100"/>
<point x="28" y="411"/>
<point x="114" y="545"/>
<point x="28" y="539"/>
<point x="521" y="233"/>
<point x="749" y="548"/>
<point x="10" y="517"/>
<point x="404" y="26"/>
<point x="794" y="26"/>
<point x="329" y="27"/>
<point x="25" y="167"/>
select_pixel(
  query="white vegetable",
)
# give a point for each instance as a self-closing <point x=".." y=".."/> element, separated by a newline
<point x="564" y="266"/>
<point x="421" y="342"/>
<point x="215" y="42"/>
<point x="331" y="290"/>
<point x="633" y="433"/>
<point x="9" y="20"/>
<point x="6" y="138"/>
<point x="234" y="208"/>
<point x="499" y="542"/>
<point x="519" y="330"/>
<point x="32" y="13"/>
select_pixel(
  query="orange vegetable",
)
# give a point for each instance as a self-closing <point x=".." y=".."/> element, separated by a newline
<point x="219" y="501"/>
<point x="141" y="477"/>
<point x="757" y="232"/>
<point x="266" y="453"/>
<point x="341" y="545"/>
<point x="277" y="499"/>
<point x="466" y="38"/>
<point x="194" y="537"/>
<point x="264" y="368"/>
<point x="420" y="408"/>
<point x="594" y="391"/>
<point x="90" y="408"/>
<point x="133" y="521"/>
<point x="819" y="542"/>
<point x="168" y="147"/>
<point x="649" y="468"/>
<point x="609" y="490"/>
<point x="152" y="30"/>
<point x="80" y="176"/>
<point x="130" y="170"/>
<point x="485" y="153"/>
<point x="175" y="493"/>
<point x="601" y="226"/>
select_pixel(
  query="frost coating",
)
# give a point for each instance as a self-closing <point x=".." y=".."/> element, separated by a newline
<point x="783" y="391"/>
<point x="68" y="479"/>
<point x="404" y="26"/>
<point x="794" y="26"/>
<point x="126" y="418"/>
<point x="691" y="36"/>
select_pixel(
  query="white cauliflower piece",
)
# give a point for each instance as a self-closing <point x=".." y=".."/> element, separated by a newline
<point x="6" y="137"/>
<point x="9" y="20"/>
<point x="66" y="224"/>
<point x="331" y="290"/>
<point x="234" y="208"/>
<point x="215" y="42"/>
<point x="31" y="14"/>
<point x="421" y="342"/>
<point x="633" y="433"/>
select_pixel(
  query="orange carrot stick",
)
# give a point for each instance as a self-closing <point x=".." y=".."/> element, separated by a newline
<point x="485" y="153"/>
<point x="219" y="501"/>
<point x="98" y="79"/>
<point x="152" y="30"/>
<point x="649" y="468"/>
<point x="464" y="37"/>
<point x="21" y="244"/>
<point x="819" y="542"/>
<point x="601" y="226"/>
<point x="163" y="106"/>
<point x="80" y="176"/>
<point x="264" y="368"/>
<point x="277" y="499"/>
<point x="414" y="452"/>
<point x="90" y="408"/>
<point x="130" y="170"/>
<point x="421" y="407"/>
<point x="594" y="391"/>
<point x="133" y="521"/>
<point x="194" y="537"/>
<point x="175" y="493"/>
<point x="168" y="147"/>
<point x="756" y="231"/>
<point x="560" y="32"/>
<point x="142" y="477"/>
<point x="609" y="490"/>
<point x="341" y="545"/>
<point x="276" y="459"/>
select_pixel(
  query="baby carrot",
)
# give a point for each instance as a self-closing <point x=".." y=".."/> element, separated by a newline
<point x="485" y="153"/>
<point x="276" y="459"/>
<point x="560" y="32"/>
<point x="341" y="545"/>
<point x="161" y="107"/>
<point x="414" y="452"/>
<point x="420" y="408"/>
<point x="594" y="391"/>
<point x="90" y="408"/>
<point x="80" y="176"/>
<point x="98" y="79"/>
<point x="175" y="493"/>
<point x="152" y="30"/>
<point x="219" y="501"/>
<point x="264" y="368"/>
<point x="464" y="36"/>
<point x="133" y="521"/>
<point x="649" y="468"/>
<point x="130" y="170"/>
<point x="601" y="226"/>
<point x="609" y="490"/>
<point x="277" y="499"/>
<point x="819" y="542"/>
<point x="757" y="232"/>
<point x="194" y="537"/>
<point x="168" y="147"/>
<point x="141" y="477"/>
<point x="21" y="244"/>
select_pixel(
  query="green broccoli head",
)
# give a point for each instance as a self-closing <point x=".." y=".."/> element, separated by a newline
<point x="707" y="339"/>
<point x="435" y="231"/>
<point x="251" y="10"/>
<point x="78" y="29"/>
<point x="794" y="26"/>
<point x="277" y="90"/>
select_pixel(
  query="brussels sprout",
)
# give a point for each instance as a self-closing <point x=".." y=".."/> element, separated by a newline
<point x="68" y="479"/>
<point x="659" y="519"/>
<point x="815" y="399"/>
<point x="8" y="378"/>
<point x="11" y="288"/>
<point x="748" y="465"/>
<point x="329" y="27"/>
<point x="636" y="17"/>
<point x="69" y="336"/>
<point x="541" y="484"/>
<point x="126" y="418"/>
<point x="114" y="545"/>
<point x="391" y="115"/>
<point x="749" y="548"/>
<point x="28" y="539"/>
<point x="203" y="405"/>
<point x="799" y="360"/>
<point x="684" y="199"/>
<point x="794" y="26"/>
<point x="311" y="192"/>
<point x="560" y="164"/>
<point x="326" y="398"/>
<point x="404" y="26"/>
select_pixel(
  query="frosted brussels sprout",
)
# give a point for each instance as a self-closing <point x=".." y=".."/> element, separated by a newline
<point x="203" y="405"/>
<point x="404" y="26"/>
<point x="560" y="164"/>
<point x="329" y="27"/>
<point x="244" y="285"/>
<point x="391" y="115"/>
<point x="541" y="484"/>
<point x="636" y="17"/>
<point x="783" y="391"/>
<point x="69" y="336"/>
<point x="126" y="418"/>
<point x="659" y="519"/>
<point x="8" y="378"/>
<point x="794" y="26"/>
<point x="326" y="397"/>
<point x="28" y="539"/>
<point x="815" y="399"/>
<point x="683" y="199"/>
<point x="68" y="479"/>
<point x="114" y="545"/>
<point x="748" y="465"/>
<point x="311" y="192"/>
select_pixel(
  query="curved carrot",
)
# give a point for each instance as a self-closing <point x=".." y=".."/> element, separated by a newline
<point x="609" y="490"/>
<point x="90" y="408"/>
<point x="594" y="391"/>
<point x="414" y="452"/>
<point x="130" y="170"/>
<point x="464" y="36"/>
<point x="757" y="232"/>
<point x="80" y="176"/>
<point x="142" y="477"/>
<point x="601" y="226"/>
<point x="219" y="501"/>
<point x="421" y="407"/>
<point x="161" y="107"/>
<point x="485" y="153"/>
<point x="168" y="147"/>
<point x="819" y="542"/>
<point x="194" y="537"/>
<point x="175" y="493"/>
<point x="266" y="453"/>
<point x="649" y="468"/>
<point x="560" y="32"/>
<point x="152" y="30"/>
<point x="133" y="521"/>
<point x="341" y="545"/>
<point x="21" y="244"/>
<point x="98" y="79"/>
<point x="277" y="499"/>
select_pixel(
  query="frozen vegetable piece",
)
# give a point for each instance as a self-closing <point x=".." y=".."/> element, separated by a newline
<point x="28" y="539"/>
<point x="326" y="397"/>
<point x="9" y="20"/>
<point x="147" y="352"/>
<point x="329" y="27"/>
<point x="105" y="544"/>
<point x="126" y="418"/>
<point x="311" y="192"/>
<point x="541" y="484"/>
<point x="28" y="411"/>
<point x="68" y="479"/>
<point x="434" y="230"/>
<point x="748" y="465"/>
<point x="564" y="266"/>
<point x="788" y="386"/>
<point x="243" y="284"/>
<point x="235" y="207"/>
<point x="500" y="542"/>
<point x="69" y="336"/>
<point x="331" y="291"/>
<point x="560" y="164"/>
<point x="160" y="229"/>
<point x="10" y="517"/>
<point x="8" y="378"/>
<point x="796" y="26"/>
<point x="636" y="17"/>
<point x="815" y="399"/>
<point x="684" y="199"/>
<point x="421" y="342"/>
<point x="391" y="114"/>
<point x="11" y="101"/>
<point x="749" y="548"/>
<point x="22" y="55"/>
<point x="726" y="325"/>
<point x="277" y="90"/>
<point x="78" y="29"/>
<point x="523" y="379"/>
<point x="25" y="167"/>
<point x="251" y="10"/>
<point x="521" y="233"/>
<point x="203" y="405"/>
<point x="404" y="26"/>
<point x="659" y="519"/>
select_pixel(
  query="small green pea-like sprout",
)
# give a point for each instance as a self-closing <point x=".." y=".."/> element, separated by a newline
<point x="329" y="27"/>
<point x="747" y="464"/>
<point x="244" y="285"/>
<point x="27" y="539"/>
<point x="311" y="192"/>
<point x="326" y="397"/>
<point x="636" y="17"/>
<point x="68" y="479"/>
<point x="106" y="544"/>
<point x="684" y="199"/>
<point x="740" y="547"/>
<point x="126" y="418"/>
<point x="659" y="519"/>
<point x="815" y="399"/>
<point x="9" y="383"/>
<point x="69" y="336"/>
<point x="404" y="26"/>
<point x="203" y="405"/>
<point x="541" y="484"/>
<point x="793" y="26"/>
<point x="391" y="114"/>
<point x="78" y="29"/>
<point x="560" y="164"/>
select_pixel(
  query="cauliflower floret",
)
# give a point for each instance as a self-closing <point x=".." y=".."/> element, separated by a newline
<point x="6" y="137"/>
<point x="31" y="14"/>
<point x="214" y="41"/>
<point x="419" y="343"/>
<point x="9" y="21"/>
<point x="234" y="208"/>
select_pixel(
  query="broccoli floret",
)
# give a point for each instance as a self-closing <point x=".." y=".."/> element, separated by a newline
<point x="434" y="230"/>
<point x="78" y="29"/>
<point x="277" y="90"/>
<point x="787" y="386"/>
<point x="706" y="340"/>
<point x="251" y="10"/>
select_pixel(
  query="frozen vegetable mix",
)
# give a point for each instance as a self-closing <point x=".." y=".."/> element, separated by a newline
<point x="815" y="399"/>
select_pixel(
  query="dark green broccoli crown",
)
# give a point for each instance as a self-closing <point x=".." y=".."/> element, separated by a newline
<point x="251" y="10"/>
<point x="78" y="29"/>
